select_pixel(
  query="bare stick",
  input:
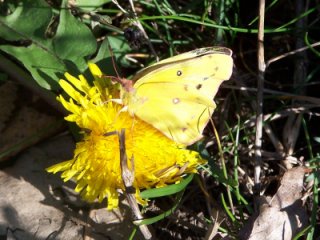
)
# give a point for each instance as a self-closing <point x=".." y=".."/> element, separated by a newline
<point x="128" y="179"/>
<point x="291" y="53"/>
<point x="259" y="120"/>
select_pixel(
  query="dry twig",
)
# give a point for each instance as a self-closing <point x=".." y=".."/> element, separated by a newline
<point x="128" y="179"/>
<point x="259" y="120"/>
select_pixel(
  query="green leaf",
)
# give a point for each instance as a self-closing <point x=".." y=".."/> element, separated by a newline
<point x="302" y="232"/>
<point x="45" y="68"/>
<point x="47" y="59"/>
<point x="168" y="190"/>
<point x="90" y="5"/>
<point x="73" y="39"/>
<point x="152" y="220"/>
<point x="21" y="24"/>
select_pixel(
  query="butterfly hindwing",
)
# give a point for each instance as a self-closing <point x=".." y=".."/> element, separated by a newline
<point x="181" y="118"/>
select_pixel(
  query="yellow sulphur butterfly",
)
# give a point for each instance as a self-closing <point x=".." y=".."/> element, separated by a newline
<point x="176" y="95"/>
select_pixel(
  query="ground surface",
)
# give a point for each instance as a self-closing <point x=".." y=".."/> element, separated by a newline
<point x="33" y="205"/>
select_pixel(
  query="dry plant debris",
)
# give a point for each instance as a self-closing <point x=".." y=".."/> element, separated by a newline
<point x="281" y="216"/>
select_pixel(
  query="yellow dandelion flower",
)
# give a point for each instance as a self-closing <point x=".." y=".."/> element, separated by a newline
<point x="95" y="167"/>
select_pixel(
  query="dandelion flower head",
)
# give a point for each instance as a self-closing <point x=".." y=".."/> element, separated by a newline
<point x="158" y="161"/>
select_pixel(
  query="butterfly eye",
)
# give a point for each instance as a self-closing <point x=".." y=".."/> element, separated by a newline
<point x="179" y="73"/>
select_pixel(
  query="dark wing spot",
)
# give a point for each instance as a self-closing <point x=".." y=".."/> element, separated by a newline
<point x="216" y="68"/>
<point x="175" y="100"/>
<point x="184" y="129"/>
<point x="205" y="78"/>
<point x="199" y="86"/>
<point x="179" y="73"/>
<point x="185" y="87"/>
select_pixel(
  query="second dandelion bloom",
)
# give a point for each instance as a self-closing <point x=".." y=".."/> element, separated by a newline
<point x="158" y="161"/>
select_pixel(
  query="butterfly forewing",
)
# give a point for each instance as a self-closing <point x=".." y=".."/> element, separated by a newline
<point x="191" y="55"/>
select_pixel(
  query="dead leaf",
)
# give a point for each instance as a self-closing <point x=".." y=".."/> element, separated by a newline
<point x="281" y="216"/>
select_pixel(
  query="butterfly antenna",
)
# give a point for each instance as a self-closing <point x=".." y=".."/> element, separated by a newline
<point x="113" y="61"/>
